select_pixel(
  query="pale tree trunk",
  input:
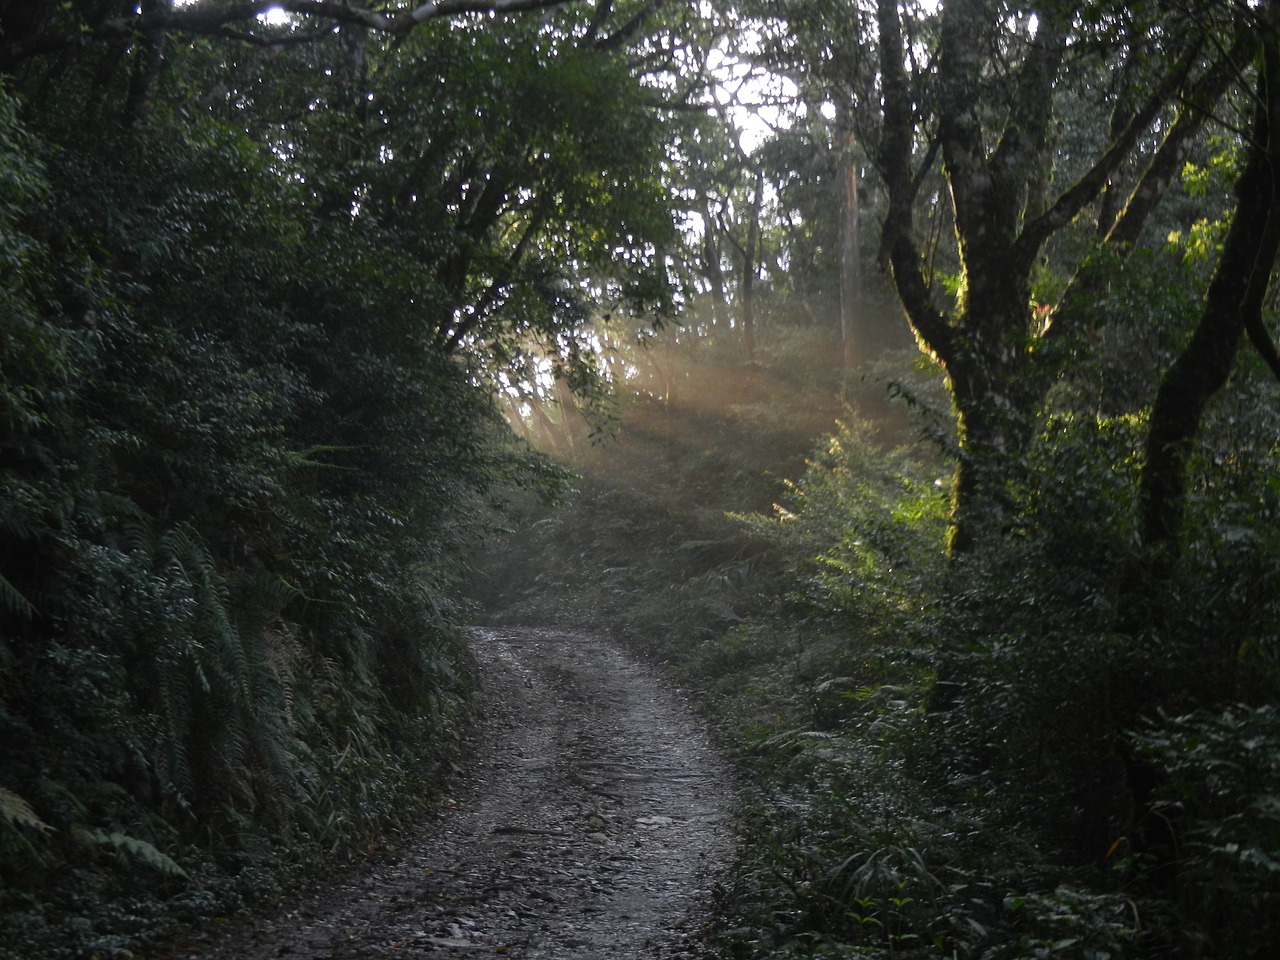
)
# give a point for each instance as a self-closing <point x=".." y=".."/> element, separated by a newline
<point x="852" y="329"/>
<point x="750" y="268"/>
<point x="714" y="271"/>
<point x="546" y="428"/>
<point x="510" y="407"/>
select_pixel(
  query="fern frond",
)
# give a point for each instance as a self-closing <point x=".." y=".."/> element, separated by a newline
<point x="263" y="592"/>
<point x="21" y="506"/>
<point x="172" y="761"/>
<point x="141" y="851"/>
<point x="305" y="458"/>
<point x="137" y="535"/>
<point x="12" y="601"/>
<point x="118" y="505"/>
<point x="17" y="811"/>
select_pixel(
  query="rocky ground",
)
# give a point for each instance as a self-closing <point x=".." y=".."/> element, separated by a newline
<point x="594" y="823"/>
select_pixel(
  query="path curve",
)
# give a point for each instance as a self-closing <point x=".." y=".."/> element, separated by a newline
<point x="595" y="823"/>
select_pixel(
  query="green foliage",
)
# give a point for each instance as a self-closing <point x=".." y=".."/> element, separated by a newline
<point x="521" y="178"/>
<point x="1219" y="795"/>
<point x="138" y="850"/>
<point x="871" y="524"/>
<point x="938" y="751"/>
<point x="242" y="452"/>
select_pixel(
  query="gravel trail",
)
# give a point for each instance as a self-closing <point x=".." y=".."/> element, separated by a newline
<point x="594" y="823"/>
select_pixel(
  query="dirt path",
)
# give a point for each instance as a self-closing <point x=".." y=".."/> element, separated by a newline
<point x="593" y="825"/>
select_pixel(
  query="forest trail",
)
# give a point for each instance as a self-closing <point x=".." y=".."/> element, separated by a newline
<point x="592" y="824"/>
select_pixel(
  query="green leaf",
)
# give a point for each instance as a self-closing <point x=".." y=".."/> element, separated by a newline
<point x="145" y="853"/>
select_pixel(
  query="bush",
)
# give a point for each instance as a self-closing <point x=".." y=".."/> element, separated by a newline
<point x="1220" y="797"/>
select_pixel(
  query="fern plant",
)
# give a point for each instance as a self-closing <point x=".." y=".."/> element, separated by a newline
<point x="17" y="812"/>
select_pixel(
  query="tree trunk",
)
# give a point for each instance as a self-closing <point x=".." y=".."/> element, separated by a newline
<point x="1234" y="300"/>
<point x="550" y="432"/>
<point x="146" y="69"/>
<point x="985" y="374"/>
<point x="571" y="419"/>
<point x="750" y="259"/>
<point x="714" y="272"/>
<point x="982" y="347"/>
<point x="852" y="333"/>
<point x="1001" y="228"/>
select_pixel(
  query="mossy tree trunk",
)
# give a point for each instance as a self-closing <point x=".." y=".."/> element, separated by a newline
<point x="995" y="142"/>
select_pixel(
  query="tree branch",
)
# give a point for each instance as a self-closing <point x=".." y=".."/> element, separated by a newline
<point x="1123" y="234"/>
<point x="603" y="9"/>
<point x="1232" y="304"/>
<point x="204" y="19"/>
<point x="630" y="28"/>
<point x="1087" y="188"/>
<point x="290" y="40"/>
<point x="1023" y="142"/>
<point x="960" y="126"/>
<point x="1262" y="342"/>
<point x="898" y="245"/>
<point x="1172" y="153"/>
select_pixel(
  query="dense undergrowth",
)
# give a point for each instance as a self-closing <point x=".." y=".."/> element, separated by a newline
<point x="1006" y="755"/>
<point x="236" y="476"/>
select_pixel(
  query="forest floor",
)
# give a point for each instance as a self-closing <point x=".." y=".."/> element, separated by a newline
<point x="594" y="821"/>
